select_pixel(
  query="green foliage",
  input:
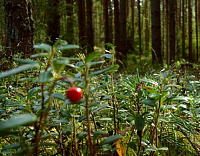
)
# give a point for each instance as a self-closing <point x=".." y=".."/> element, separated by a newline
<point x="157" y="114"/>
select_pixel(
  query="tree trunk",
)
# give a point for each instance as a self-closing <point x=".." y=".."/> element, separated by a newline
<point x="19" y="28"/>
<point x="70" y="21"/>
<point x="183" y="30"/>
<point x="133" y="24"/>
<point x="139" y="29"/>
<point x="90" y="29"/>
<point x="117" y="29"/>
<point x="156" y="32"/>
<point x="82" y="23"/>
<point x="190" y="58"/>
<point x="146" y="25"/>
<point x="172" y="31"/>
<point x="53" y="21"/>
<point x="110" y="12"/>
<point x="106" y="22"/>
<point x="123" y="39"/>
<point x="197" y="35"/>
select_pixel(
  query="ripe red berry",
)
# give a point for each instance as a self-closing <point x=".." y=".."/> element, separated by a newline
<point x="74" y="94"/>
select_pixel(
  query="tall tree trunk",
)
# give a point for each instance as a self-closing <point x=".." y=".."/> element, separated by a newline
<point x="197" y="35"/>
<point x="110" y="14"/>
<point x="156" y="32"/>
<point x="70" y="21"/>
<point x="146" y="25"/>
<point x="172" y="31"/>
<point x="167" y="33"/>
<point x="123" y="39"/>
<point x="133" y="23"/>
<point x="190" y="58"/>
<point x="82" y="23"/>
<point x="139" y="29"/>
<point x="117" y="29"/>
<point x="106" y="22"/>
<point x="183" y="30"/>
<point x="53" y="21"/>
<point x="90" y="29"/>
<point x="19" y="27"/>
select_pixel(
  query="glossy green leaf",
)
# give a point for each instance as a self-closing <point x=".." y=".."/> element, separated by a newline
<point x="109" y="69"/>
<point x="59" y="96"/>
<point x="92" y="56"/>
<point x="151" y="148"/>
<point x="139" y="122"/>
<point x="44" y="47"/>
<point x="132" y="145"/>
<point x="60" y="42"/>
<point x="59" y="64"/>
<point x="17" y="70"/>
<point x="111" y="139"/>
<point x="95" y="63"/>
<point x="32" y="91"/>
<point x="149" y="81"/>
<point x="45" y="76"/>
<point x="12" y="146"/>
<point x="163" y="149"/>
<point x="68" y="47"/>
<point x="148" y="102"/>
<point x="40" y="55"/>
<point x="16" y="121"/>
<point x="108" y="56"/>
<point x="26" y="61"/>
<point x="181" y="98"/>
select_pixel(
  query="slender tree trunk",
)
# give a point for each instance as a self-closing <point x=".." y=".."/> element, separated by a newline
<point x="53" y="21"/>
<point x="167" y="33"/>
<point x="106" y="22"/>
<point x="90" y="29"/>
<point x="133" y="23"/>
<point x="190" y="58"/>
<point x="197" y="35"/>
<point x="82" y="23"/>
<point x="183" y="30"/>
<point x="139" y="29"/>
<point x="172" y="31"/>
<point x="110" y="14"/>
<point x="70" y="22"/>
<point x="123" y="39"/>
<point x="117" y="29"/>
<point x="156" y="32"/>
<point x="146" y="25"/>
<point x="19" y="28"/>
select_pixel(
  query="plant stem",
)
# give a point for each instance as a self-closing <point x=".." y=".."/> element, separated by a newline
<point x="87" y="111"/>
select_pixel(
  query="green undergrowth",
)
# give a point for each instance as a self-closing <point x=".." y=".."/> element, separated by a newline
<point x="155" y="113"/>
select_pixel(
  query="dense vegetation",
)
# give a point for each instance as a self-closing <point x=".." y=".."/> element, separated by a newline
<point x="154" y="114"/>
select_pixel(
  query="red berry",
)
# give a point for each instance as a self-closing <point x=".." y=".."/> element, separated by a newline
<point x="74" y="94"/>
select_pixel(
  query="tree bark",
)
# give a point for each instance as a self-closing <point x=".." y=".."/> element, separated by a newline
<point x="106" y="22"/>
<point x="172" y="31"/>
<point x="70" y="21"/>
<point x="19" y="28"/>
<point x="90" y="29"/>
<point x="82" y="23"/>
<point x="183" y="30"/>
<point x="117" y="28"/>
<point x="156" y="32"/>
<point x="190" y="58"/>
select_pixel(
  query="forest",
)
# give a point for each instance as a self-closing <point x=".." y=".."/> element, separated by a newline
<point x="99" y="77"/>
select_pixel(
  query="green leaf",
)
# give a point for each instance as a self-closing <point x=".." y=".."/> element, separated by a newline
<point x="12" y="146"/>
<point x="60" y="42"/>
<point x="59" y="96"/>
<point x="15" y="104"/>
<point x="26" y="61"/>
<point x="181" y="98"/>
<point x="16" y="121"/>
<point x="110" y="45"/>
<point x="149" y="81"/>
<point x="68" y="47"/>
<point x="17" y="70"/>
<point x="132" y="145"/>
<point x="148" y="102"/>
<point x="108" y="56"/>
<point x="43" y="46"/>
<point x="151" y="148"/>
<point x="96" y="62"/>
<point x="45" y="76"/>
<point x="92" y="56"/>
<point x="109" y="69"/>
<point x="59" y="64"/>
<point x="163" y="149"/>
<point x="111" y="139"/>
<point x="139" y="122"/>
<point x="32" y="91"/>
<point x="40" y="55"/>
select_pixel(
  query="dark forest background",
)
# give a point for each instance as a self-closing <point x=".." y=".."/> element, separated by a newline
<point x="143" y="31"/>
